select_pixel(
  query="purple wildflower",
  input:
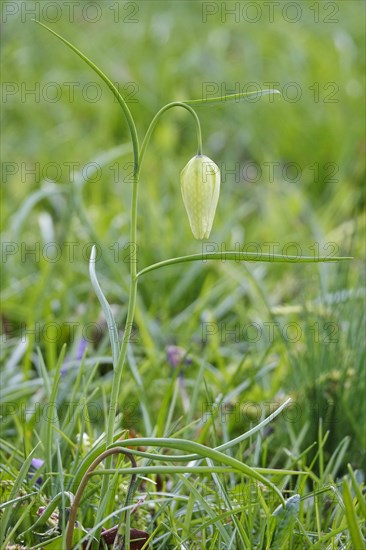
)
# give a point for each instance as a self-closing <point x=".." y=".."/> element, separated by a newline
<point x="37" y="463"/>
<point x="175" y="356"/>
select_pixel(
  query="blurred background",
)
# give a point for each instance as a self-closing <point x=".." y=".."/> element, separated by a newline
<point x="292" y="182"/>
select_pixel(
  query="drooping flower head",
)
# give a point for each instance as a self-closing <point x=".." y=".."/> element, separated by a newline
<point x="200" y="185"/>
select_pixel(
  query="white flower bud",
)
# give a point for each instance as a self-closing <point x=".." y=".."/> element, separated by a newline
<point x="200" y="185"/>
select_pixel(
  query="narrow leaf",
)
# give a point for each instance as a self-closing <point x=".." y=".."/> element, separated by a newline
<point x="352" y="521"/>
<point x="112" y="328"/>
<point x="235" y="256"/>
<point x="107" y="81"/>
<point x="208" y="101"/>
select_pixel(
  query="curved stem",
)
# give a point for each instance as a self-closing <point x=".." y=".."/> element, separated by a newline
<point x="155" y="120"/>
<point x="84" y="482"/>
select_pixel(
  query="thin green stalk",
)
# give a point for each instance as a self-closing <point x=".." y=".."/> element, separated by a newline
<point x="118" y="370"/>
<point x="155" y="120"/>
<point x="118" y="366"/>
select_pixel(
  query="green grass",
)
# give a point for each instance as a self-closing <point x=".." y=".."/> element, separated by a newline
<point x="250" y="335"/>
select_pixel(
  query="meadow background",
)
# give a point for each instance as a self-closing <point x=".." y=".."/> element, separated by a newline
<point x="292" y="182"/>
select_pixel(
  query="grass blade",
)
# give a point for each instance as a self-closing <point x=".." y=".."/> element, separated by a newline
<point x="16" y="487"/>
<point x="112" y="328"/>
<point x="352" y="520"/>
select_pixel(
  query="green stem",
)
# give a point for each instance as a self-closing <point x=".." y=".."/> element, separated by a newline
<point x="155" y="120"/>
<point x="83" y="484"/>
<point x="118" y="368"/>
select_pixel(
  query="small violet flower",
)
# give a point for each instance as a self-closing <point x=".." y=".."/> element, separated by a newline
<point x="37" y="463"/>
